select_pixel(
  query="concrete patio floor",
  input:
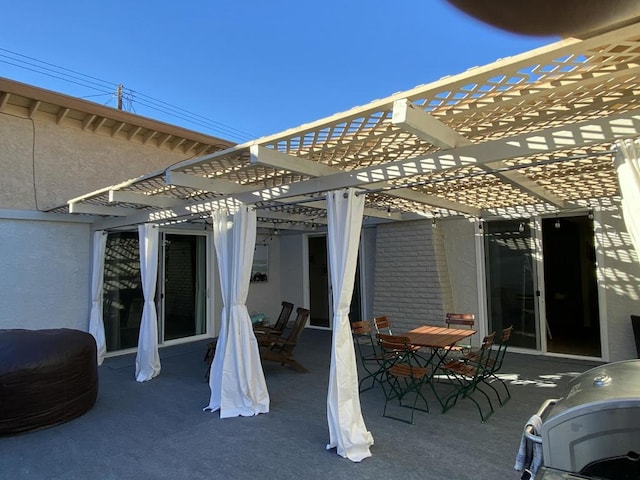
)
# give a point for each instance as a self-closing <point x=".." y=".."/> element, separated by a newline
<point x="158" y="430"/>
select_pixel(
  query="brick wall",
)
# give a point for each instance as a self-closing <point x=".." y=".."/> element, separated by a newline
<point x="411" y="283"/>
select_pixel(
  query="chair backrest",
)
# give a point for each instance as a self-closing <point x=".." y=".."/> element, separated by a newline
<point x="283" y="318"/>
<point x="297" y="328"/>
<point x="485" y="351"/>
<point x="383" y="325"/>
<point x="394" y="346"/>
<point x="460" y="319"/>
<point x="362" y="338"/>
<point x="502" y="347"/>
<point x="362" y="327"/>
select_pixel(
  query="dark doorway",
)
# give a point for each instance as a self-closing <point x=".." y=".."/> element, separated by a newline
<point x="318" y="282"/>
<point x="571" y="295"/>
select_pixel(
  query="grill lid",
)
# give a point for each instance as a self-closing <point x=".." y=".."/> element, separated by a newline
<point x="599" y="418"/>
<point x="618" y="381"/>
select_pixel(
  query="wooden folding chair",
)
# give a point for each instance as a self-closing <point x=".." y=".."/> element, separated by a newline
<point x="460" y="320"/>
<point x="467" y="376"/>
<point x="404" y="375"/>
<point x="371" y="357"/>
<point x="494" y="364"/>
<point x="280" y="349"/>
<point x="281" y="322"/>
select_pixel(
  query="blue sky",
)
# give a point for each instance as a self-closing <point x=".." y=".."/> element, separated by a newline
<point x="247" y="67"/>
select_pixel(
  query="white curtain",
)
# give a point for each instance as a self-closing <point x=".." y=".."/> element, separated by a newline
<point x="627" y="163"/>
<point x="96" y="322"/>
<point x="236" y="379"/>
<point x="147" y="359"/>
<point x="347" y="430"/>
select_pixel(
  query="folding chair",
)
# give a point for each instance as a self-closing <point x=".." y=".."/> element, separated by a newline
<point x="467" y="376"/>
<point x="404" y="375"/>
<point x="460" y="320"/>
<point x="371" y="358"/>
<point x="383" y="325"/>
<point x="494" y="364"/>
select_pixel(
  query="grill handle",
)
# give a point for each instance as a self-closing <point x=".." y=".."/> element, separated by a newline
<point x="541" y="411"/>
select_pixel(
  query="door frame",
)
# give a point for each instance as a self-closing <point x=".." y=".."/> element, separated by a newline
<point x="160" y="287"/>
<point x="538" y="278"/>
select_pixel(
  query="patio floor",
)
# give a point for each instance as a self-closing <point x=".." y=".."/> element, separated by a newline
<point x="157" y="429"/>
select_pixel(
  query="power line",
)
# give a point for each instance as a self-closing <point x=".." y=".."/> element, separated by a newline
<point x="114" y="90"/>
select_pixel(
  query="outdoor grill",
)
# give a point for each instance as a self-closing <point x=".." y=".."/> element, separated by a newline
<point x="594" y="431"/>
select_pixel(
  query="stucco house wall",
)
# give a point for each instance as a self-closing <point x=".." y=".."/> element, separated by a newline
<point x="44" y="164"/>
<point x="619" y="279"/>
<point x="46" y="274"/>
<point x="46" y="262"/>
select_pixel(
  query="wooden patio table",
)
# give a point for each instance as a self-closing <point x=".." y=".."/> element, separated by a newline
<point x="437" y="339"/>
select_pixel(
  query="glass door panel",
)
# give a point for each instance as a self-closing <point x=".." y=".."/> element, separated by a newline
<point x="184" y="294"/>
<point x="182" y="276"/>
<point x="510" y="278"/>
<point x="123" y="299"/>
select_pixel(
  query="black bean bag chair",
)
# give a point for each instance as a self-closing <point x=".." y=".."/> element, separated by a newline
<point x="47" y="377"/>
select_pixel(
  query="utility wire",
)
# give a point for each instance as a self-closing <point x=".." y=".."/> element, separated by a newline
<point x="109" y="88"/>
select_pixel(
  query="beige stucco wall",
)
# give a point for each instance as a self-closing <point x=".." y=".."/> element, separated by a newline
<point x="460" y="254"/>
<point x="46" y="274"/>
<point x="44" y="164"/>
<point x="619" y="280"/>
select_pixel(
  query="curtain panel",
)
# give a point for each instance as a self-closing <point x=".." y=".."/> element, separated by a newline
<point x="96" y="321"/>
<point x="236" y="378"/>
<point x="347" y="431"/>
<point x="147" y="358"/>
<point x="627" y="164"/>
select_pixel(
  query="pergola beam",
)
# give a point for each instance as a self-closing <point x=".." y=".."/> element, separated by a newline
<point x="160" y="201"/>
<point x="214" y="185"/>
<point x="90" y="209"/>
<point x="281" y="161"/>
<point x="412" y="119"/>
<point x="524" y="183"/>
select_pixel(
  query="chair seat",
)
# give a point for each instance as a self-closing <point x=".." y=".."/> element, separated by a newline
<point x="408" y="371"/>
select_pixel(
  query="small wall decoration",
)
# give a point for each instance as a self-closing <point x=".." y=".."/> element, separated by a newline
<point x="260" y="267"/>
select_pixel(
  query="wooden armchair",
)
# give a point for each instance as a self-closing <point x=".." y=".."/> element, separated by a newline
<point x="281" y="322"/>
<point x="263" y="334"/>
<point x="280" y="348"/>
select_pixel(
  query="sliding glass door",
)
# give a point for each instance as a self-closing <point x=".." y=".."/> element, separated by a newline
<point x="183" y="306"/>
<point x="181" y="294"/>
<point x="511" y="283"/>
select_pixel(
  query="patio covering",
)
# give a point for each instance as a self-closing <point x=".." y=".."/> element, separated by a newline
<point x="526" y="135"/>
<point x="529" y="134"/>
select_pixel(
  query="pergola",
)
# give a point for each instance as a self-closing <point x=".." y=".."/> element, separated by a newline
<point x="529" y="134"/>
